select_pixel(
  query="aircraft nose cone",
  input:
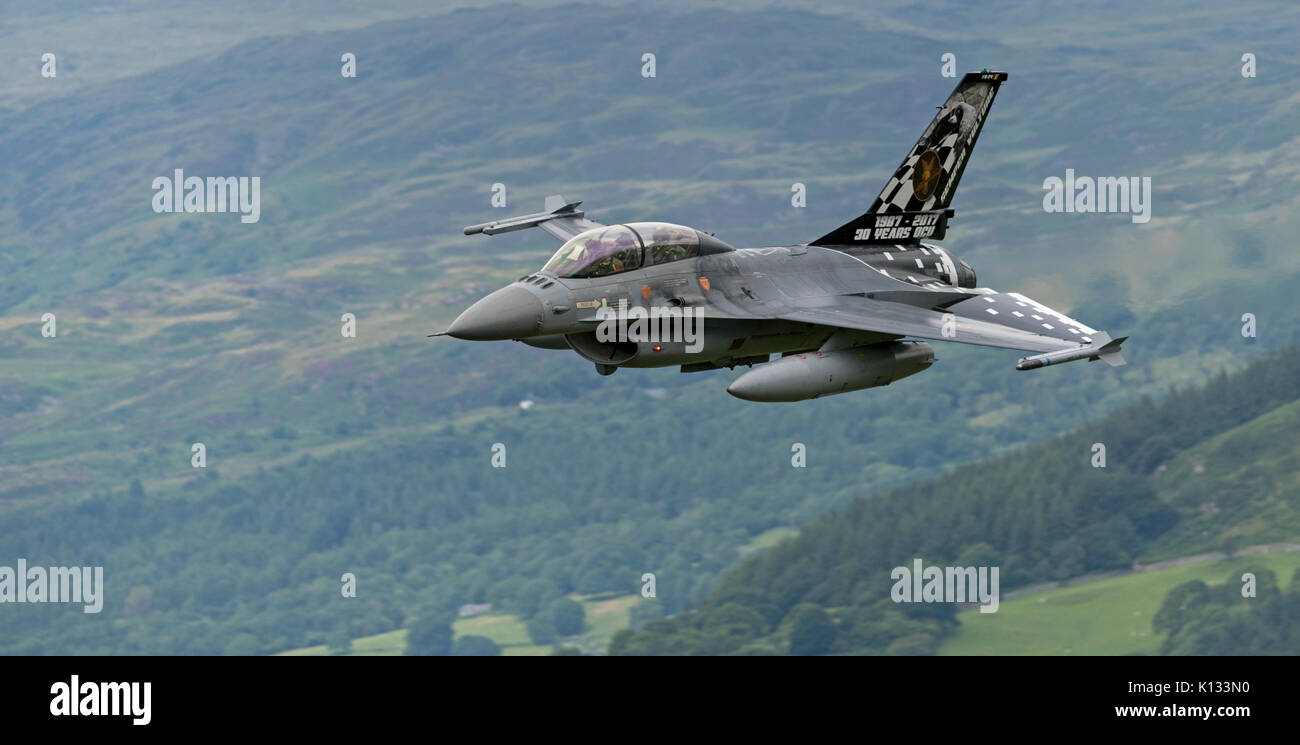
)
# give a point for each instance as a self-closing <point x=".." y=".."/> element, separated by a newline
<point x="508" y="313"/>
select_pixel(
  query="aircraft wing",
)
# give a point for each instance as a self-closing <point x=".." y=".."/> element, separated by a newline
<point x="559" y="218"/>
<point x="866" y="314"/>
<point x="830" y="288"/>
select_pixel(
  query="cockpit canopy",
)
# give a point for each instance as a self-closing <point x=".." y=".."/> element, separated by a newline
<point x="620" y="248"/>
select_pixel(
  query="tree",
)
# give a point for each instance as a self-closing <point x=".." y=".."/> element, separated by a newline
<point x="475" y="646"/>
<point x="645" y="612"/>
<point x="541" y="628"/>
<point x="979" y="555"/>
<point x="735" y="619"/>
<point x="339" y="642"/>
<point x="243" y="645"/>
<point x="567" y="615"/>
<point x="811" y="630"/>
<point x="1180" y="605"/>
<point x="535" y="596"/>
<point x="429" y="636"/>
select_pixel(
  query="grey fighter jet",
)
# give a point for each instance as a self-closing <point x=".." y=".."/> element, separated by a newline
<point x="842" y="313"/>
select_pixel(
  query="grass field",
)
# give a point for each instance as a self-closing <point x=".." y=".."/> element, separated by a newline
<point x="605" y="616"/>
<point x="1108" y="617"/>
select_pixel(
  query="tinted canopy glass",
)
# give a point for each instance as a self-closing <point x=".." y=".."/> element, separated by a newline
<point x="596" y="253"/>
<point x="665" y="242"/>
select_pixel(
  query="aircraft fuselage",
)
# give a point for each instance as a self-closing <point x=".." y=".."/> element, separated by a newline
<point x="709" y="301"/>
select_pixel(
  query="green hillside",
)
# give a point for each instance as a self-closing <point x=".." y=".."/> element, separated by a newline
<point x="1048" y="513"/>
<point x="1107" y="617"/>
<point x="1242" y="485"/>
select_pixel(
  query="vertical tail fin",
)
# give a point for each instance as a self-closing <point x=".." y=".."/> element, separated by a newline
<point x="928" y="176"/>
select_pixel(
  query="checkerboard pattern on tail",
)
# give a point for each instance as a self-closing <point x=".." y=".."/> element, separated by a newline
<point x="927" y="178"/>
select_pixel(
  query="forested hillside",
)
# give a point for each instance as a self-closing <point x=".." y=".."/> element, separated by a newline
<point x="1044" y="513"/>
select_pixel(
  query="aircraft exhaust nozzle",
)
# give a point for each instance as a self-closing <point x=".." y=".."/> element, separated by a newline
<point x="798" y="377"/>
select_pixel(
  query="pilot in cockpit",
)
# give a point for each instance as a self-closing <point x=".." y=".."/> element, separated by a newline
<point x="610" y="255"/>
<point x="667" y="246"/>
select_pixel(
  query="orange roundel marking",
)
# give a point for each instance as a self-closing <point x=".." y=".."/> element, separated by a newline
<point x="704" y="282"/>
<point x="645" y="291"/>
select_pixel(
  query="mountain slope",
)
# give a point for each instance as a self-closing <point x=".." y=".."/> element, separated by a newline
<point x="1045" y="513"/>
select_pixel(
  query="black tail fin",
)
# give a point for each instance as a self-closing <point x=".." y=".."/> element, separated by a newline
<point x="926" y="180"/>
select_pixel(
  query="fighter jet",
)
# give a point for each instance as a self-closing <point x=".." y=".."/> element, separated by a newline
<point x="843" y="312"/>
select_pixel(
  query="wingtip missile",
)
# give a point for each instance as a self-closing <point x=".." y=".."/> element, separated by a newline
<point x="555" y="207"/>
<point x="1102" y="348"/>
